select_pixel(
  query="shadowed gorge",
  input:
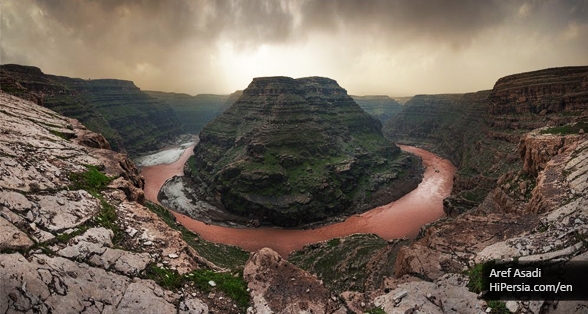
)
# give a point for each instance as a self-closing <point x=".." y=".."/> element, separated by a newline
<point x="480" y="132"/>
<point x="193" y="112"/>
<point x="129" y="119"/>
<point x="295" y="151"/>
<point x="381" y="107"/>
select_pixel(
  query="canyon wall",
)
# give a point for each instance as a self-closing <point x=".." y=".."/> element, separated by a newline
<point x="292" y="151"/>
<point x="128" y="118"/>
<point x="381" y="107"/>
<point x="192" y="111"/>
<point x="480" y="132"/>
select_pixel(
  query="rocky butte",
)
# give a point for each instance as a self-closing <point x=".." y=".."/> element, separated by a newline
<point x="293" y="151"/>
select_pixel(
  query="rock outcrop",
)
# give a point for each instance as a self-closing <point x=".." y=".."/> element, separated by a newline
<point x="536" y="149"/>
<point x="129" y="119"/>
<point x="542" y="92"/>
<point x="75" y="236"/>
<point x="277" y="286"/>
<point x="296" y="151"/>
<point x="479" y="132"/>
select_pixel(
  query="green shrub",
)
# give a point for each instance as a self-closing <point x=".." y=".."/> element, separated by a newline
<point x="476" y="275"/>
<point x="375" y="310"/>
<point x="91" y="180"/>
<point x="231" y="284"/>
<point x="498" y="307"/>
<point x="169" y="279"/>
<point x="566" y="129"/>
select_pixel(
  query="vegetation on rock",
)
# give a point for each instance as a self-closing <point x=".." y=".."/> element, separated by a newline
<point x="355" y="263"/>
<point x="129" y="119"/>
<point x="381" y="107"/>
<point x="227" y="256"/>
<point x="295" y="151"/>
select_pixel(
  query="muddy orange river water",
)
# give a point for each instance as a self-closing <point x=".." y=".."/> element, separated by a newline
<point x="402" y="218"/>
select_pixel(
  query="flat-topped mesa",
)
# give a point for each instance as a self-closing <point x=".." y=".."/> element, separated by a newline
<point x="545" y="91"/>
<point x="292" y="151"/>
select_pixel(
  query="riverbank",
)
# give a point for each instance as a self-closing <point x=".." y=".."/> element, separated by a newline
<point x="402" y="218"/>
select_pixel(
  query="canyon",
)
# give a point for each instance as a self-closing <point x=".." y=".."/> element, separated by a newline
<point x="129" y="119"/>
<point x="74" y="218"/>
<point x="399" y="219"/>
<point x="296" y="151"/>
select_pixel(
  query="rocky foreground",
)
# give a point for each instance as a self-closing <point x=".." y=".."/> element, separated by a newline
<point x="77" y="237"/>
<point x="71" y="241"/>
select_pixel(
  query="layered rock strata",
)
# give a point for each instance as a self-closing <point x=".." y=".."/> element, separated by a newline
<point x="192" y="111"/>
<point x="75" y="235"/>
<point x="129" y="119"/>
<point x="480" y="132"/>
<point x="295" y="151"/>
<point x="381" y="107"/>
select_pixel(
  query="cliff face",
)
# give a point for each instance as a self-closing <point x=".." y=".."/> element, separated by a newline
<point x="380" y="107"/>
<point x="129" y="119"/>
<point x="192" y="111"/>
<point x="453" y="125"/>
<point x="230" y="101"/>
<point x="548" y="91"/>
<point x="75" y="235"/>
<point x="292" y="151"/>
<point x="480" y="132"/>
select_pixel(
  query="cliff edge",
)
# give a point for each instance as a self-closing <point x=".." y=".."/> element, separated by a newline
<point x="294" y="151"/>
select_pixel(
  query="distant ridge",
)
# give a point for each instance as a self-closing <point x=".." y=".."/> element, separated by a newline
<point x="131" y="120"/>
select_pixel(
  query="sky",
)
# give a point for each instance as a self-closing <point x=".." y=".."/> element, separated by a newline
<point x="394" y="47"/>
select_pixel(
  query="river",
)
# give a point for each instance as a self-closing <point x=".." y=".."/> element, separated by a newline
<point x="401" y="218"/>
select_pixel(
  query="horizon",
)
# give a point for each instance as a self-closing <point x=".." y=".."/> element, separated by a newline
<point x="391" y="48"/>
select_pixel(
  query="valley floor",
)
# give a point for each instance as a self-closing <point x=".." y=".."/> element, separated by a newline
<point x="402" y="218"/>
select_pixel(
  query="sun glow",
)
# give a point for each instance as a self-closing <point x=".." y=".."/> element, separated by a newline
<point x="240" y="66"/>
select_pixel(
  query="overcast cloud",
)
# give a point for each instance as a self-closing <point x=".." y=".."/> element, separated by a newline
<point x="370" y="47"/>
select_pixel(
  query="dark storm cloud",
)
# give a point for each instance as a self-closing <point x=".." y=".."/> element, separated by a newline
<point x="163" y="22"/>
<point x="176" y="45"/>
<point x="445" y="20"/>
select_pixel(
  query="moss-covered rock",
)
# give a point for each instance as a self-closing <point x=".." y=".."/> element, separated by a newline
<point x="295" y="151"/>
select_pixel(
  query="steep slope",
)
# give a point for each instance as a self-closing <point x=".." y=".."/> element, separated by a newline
<point x="130" y="119"/>
<point x="76" y="234"/>
<point x="294" y="151"/>
<point x="192" y="111"/>
<point x="454" y="126"/>
<point x="480" y="131"/>
<point x="230" y="101"/>
<point x="536" y="209"/>
<point x="380" y="107"/>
